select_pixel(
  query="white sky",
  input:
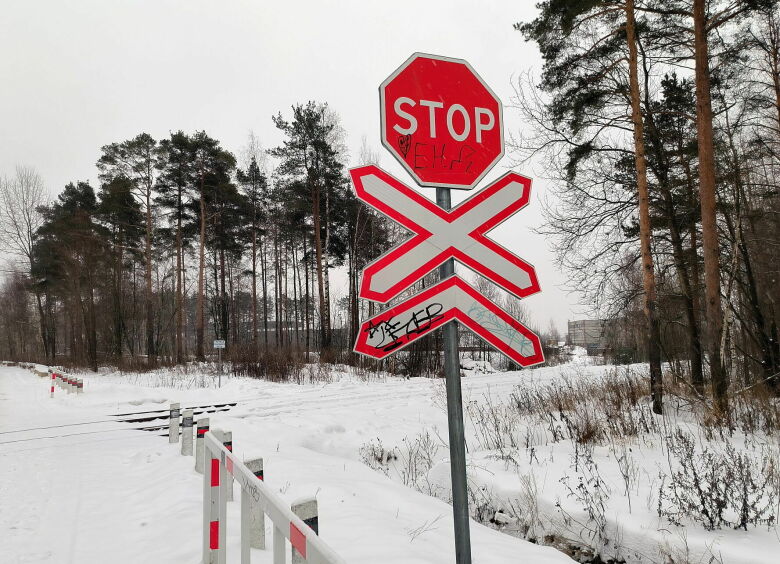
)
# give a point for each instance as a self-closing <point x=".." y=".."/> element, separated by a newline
<point x="78" y="74"/>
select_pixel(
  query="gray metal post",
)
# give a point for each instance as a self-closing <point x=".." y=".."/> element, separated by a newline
<point x="256" y="514"/>
<point x="306" y="509"/>
<point x="186" y="432"/>
<point x="460" y="500"/>
<point x="173" y="423"/>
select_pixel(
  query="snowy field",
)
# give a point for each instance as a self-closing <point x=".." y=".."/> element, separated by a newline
<point x="373" y="451"/>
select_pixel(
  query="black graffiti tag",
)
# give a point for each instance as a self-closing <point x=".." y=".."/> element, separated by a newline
<point x="392" y="332"/>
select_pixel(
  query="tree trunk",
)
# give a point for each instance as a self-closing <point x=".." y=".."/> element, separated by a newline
<point x="199" y="314"/>
<point x="707" y="197"/>
<point x="265" y="291"/>
<point x="307" y="299"/>
<point x="254" y="284"/>
<point x="150" y="352"/>
<point x="324" y="310"/>
<point x="179" y="284"/>
<point x="645" y="232"/>
<point x="223" y="298"/>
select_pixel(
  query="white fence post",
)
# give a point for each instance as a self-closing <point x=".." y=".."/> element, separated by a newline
<point x="200" y="452"/>
<point x="173" y="423"/>
<point x="227" y="442"/>
<point x="306" y="509"/>
<point x="255" y="510"/>
<point x="223" y="486"/>
<point x="212" y="532"/>
<point x="186" y="433"/>
<point x="286" y="524"/>
<point x="79" y="386"/>
<point x="279" y="546"/>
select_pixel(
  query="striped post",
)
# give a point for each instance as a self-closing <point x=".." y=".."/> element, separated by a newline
<point x="211" y="509"/>
<point x="223" y="487"/>
<point x="256" y="515"/>
<point x="173" y="423"/>
<point x="186" y="433"/>
<point x="203" y="428"/>
<point x="227" y="441"/>
<point x="306" y="509"/>
<point x="51" y="393"/>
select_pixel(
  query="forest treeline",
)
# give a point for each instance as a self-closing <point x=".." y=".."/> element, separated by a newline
<point x="182" y="242"/>
<point x="659" y="126"/>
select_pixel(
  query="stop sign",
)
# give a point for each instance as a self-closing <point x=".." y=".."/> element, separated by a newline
<point x="441" y="121"/>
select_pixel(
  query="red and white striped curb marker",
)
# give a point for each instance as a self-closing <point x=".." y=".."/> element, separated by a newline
<point x="214" y="499"/>
<point x="51" y="393"/>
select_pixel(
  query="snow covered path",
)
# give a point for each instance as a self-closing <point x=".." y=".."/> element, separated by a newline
<point x="128" y="496"/>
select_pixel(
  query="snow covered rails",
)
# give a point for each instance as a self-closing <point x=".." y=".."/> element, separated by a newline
<point x="218" y="462"/>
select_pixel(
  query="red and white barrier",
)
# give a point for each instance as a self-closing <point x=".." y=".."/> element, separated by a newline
<point x="287" y="526"/>
<point x="67" y="383"/>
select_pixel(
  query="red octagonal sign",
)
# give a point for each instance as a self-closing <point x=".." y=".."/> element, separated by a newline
<point x="441" y="121"/>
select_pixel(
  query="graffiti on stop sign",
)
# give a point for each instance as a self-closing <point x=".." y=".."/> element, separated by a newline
<point x="441" y="121"/>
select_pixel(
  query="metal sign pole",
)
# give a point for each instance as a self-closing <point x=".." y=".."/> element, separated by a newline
<point x="460" y="501"/>
<point x="220" y="368"/>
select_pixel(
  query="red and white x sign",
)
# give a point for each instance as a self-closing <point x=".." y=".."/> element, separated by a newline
<point x="452" y="298"/>
<point x="440" y="234"/>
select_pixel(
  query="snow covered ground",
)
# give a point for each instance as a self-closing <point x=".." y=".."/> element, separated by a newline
<point x="128" y="496"/>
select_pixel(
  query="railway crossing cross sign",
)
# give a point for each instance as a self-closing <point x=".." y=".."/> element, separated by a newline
<point x="444" y="125"/>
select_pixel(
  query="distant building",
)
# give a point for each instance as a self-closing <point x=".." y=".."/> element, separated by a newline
<point x="589" y="334"/>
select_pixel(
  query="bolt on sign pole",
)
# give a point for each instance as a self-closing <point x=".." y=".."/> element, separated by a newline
<point x="445" y="126"/>
<point x="460" y="500"/>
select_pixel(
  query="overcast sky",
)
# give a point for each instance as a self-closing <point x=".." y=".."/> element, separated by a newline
<point x="78" y="74"/>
